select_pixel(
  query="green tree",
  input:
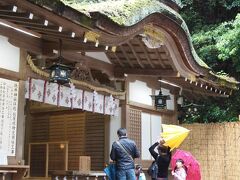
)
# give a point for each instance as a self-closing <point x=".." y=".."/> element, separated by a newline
<point x="215" y="28"/>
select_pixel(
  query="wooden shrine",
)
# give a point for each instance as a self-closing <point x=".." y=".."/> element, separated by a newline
<point x="120" y="55"/>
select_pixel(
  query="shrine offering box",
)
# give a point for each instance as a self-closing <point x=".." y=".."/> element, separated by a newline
<point x="84" y="164"/>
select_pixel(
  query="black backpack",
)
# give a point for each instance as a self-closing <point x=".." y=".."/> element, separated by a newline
<point x="153" y="169"/>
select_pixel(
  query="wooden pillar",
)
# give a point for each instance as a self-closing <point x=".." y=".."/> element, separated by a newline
<point x="20" y="122"/>
<point x="47" y="159"/>
<point x="21" y="105"/>
<point x="29" y="158"/>
<point x="125" y="116"/>
<point x="107" y="138"/>
<point x="66" y="157"/>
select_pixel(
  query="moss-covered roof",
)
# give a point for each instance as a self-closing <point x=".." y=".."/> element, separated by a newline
<point x="130" y="12"/>
<point x="127" y="13"/>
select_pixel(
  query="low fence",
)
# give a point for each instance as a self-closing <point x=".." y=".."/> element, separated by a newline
<point x="217" y="148"/>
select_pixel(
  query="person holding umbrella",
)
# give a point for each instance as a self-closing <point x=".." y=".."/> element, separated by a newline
<point x="180" y="171"/>
<point x="174" y="136"/>
<point x="162" y="158"/>
<point x="192" y="166"/>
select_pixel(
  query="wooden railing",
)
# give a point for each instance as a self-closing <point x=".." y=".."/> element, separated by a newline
<point x="16" y="172"/>
<point x="47" y="145"/>
<point x="91" y="175"/>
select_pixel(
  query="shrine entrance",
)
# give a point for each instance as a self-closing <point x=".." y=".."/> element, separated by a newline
<point x="57" y="137"/>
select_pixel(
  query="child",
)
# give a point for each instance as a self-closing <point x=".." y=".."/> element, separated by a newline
<point x="139" y="173"/>
<point x="179" y="172"/>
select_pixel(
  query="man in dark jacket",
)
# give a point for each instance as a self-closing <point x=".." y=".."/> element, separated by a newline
<point x="123" y="153"/>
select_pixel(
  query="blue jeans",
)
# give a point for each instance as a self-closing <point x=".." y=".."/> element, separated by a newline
<point x="128" y="174"/>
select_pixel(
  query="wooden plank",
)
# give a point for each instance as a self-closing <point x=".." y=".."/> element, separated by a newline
<point x="136" y="55"/>
<point x="118" y="60"/>
<point x="14" y="15"/>
<point x="145" y="53"/>
<point x="126" y="56"/>
<point x="12" y="25"/>
<point x="81" y="134"/>
<point x="146" y="72"/>
<point x="160" y="58"/>
<point x="95" y="125"/>
<point x="46" y="14"/>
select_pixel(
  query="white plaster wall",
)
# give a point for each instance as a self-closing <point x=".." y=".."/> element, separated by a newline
<point x="99" y="55"/>
<point x="9" y="55"/>
<point x="140" y="93"/>
<point x="146" y="139"/>
<point x="156" y="123"/>
<point x="151" y="130"/>
<point x="115" y="124"/>
<point x="170" y="103"/>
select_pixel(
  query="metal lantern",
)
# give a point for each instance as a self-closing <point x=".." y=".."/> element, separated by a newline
<point x="160" y="100"/>
<point x="60" y="73"/>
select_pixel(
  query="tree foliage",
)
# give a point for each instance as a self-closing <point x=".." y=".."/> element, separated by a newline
<point x="215" y="26"/>
<point x="219" y="45"/>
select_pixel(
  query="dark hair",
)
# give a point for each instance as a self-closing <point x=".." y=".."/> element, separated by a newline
<point x="121" y="132"/>
<point x="138" y="170"/>
<point x="138" y="166"/>
<point x="163" y="149"/>
<point x="180" y="160"/>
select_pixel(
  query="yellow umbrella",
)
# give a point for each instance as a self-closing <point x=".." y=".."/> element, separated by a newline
<point x="174" y="135"/>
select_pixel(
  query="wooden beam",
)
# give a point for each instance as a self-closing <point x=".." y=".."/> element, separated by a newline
<point x="28" y="23"/>
<point x="169" y="57"/>
<point x="91" y="63"/>
<point x="135" y="54"/>
<point x="126" y="56"/>
<point x="68" y="46"/>
<point x="40" y="28"/>
<point x="20" y="136"/>
<point x="20" y="39"/>
<point x="5" y="8"/>
<point x="113" y="58"/>
<point x="145" y="72"/>
<point x="193" y="88"/>
<point x="44" y="47"/>
<point x="18" y="28"/>
<point x="204" y="93"/>
<point x="68" y="20"/>
<point x="9" y="74"/>
<point x="146" y="53"/>
<point x="48" y="15"/>
<point x="118" y="60"/>
<point x="15" y="15"/>
<point x="159" y="58"/>
<point x="30" y="44"/>
<point x="23" y="64"/>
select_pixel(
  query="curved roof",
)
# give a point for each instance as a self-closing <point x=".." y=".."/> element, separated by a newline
<point x="122" y="23"/>
<point x="129" y="13"/>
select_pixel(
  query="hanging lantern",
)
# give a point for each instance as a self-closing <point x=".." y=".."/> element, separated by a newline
<point x="60" y="73"/>
<point x="160" y="100"/>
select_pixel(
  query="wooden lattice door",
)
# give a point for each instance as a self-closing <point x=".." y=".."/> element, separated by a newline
<point x="134" y="126"/>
